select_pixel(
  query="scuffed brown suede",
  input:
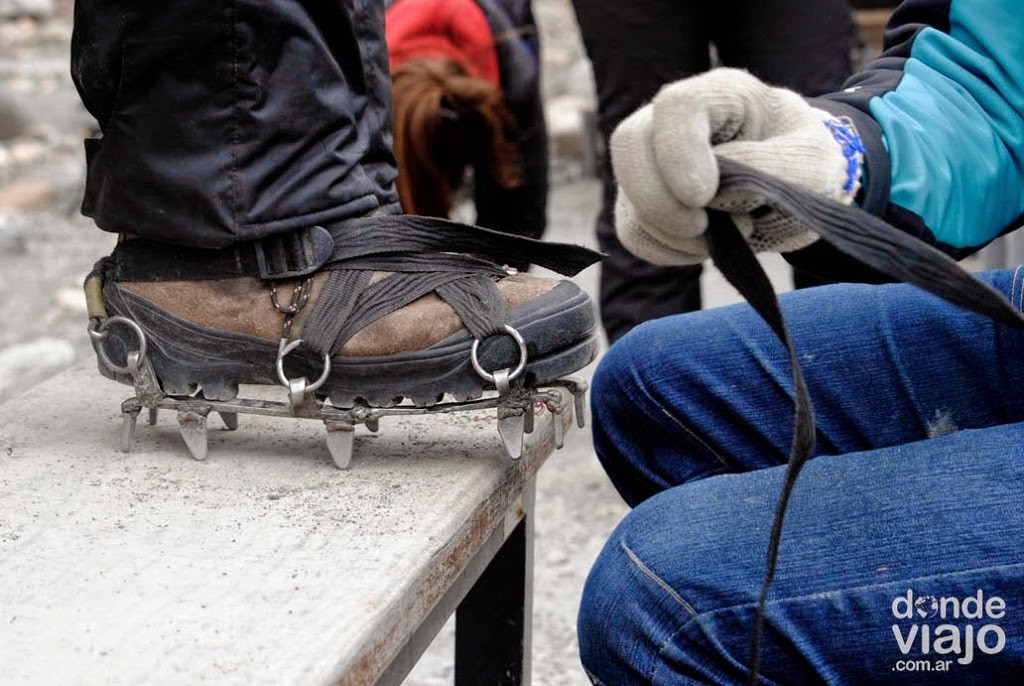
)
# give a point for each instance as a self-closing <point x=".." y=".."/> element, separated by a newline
<point x="243" y="305"/>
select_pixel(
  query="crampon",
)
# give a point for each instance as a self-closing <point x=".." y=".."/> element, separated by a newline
<point x="513" y="342"/>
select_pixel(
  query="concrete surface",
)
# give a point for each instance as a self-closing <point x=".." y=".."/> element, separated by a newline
<point x="263" y="564"/>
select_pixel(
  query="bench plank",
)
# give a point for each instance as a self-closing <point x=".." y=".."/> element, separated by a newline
<point x="262" y="565"/>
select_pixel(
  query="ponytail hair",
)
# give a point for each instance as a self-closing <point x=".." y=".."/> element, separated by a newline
<point x="445" y="120"/>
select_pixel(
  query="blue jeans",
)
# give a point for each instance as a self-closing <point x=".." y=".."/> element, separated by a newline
<point x="903" y="552"/>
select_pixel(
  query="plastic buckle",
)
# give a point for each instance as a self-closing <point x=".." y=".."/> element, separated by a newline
<point x="294" y="254"/>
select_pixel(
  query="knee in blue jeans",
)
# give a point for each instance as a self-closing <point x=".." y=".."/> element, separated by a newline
<point x="607" y="621"/>
<point x="620" y="417"/>
<point x="607" y="390"/>
<point x="628" y="613"/>
<point x="646" y="432"/>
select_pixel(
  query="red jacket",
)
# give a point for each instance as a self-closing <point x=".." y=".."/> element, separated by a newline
<point x="453" y="29"/>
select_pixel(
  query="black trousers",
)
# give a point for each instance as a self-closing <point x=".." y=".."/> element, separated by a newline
<point x="224" y="121"/>
<point x="521" y="210"/>
<point x="640" y="45"/>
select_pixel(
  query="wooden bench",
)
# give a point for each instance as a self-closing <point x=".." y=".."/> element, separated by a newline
<point x="264" y="564"/>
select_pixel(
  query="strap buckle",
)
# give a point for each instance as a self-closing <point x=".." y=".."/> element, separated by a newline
<point x="293" y="254"/>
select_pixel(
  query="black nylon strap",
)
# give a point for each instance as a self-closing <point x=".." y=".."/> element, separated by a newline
<point x="874" y="242"/>
<point x="862" y="236"/>
<point x="293" y="254"/>
<point x="141" y="259"/>
<point x="284" y="257"/>
<point x="431" y="262"/>
<point x="426" y="255"/>
<point x="384" y="297"/>
<point x="734" y="258"/>
<point x="478" y="303"/>
<point x="413" y="234"/>
<point x="372" y="303"/>
<point x="333" y="308"/>
<point x="279" y="257"/>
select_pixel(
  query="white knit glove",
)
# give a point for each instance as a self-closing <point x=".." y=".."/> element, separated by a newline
<point x="664" y="161"/>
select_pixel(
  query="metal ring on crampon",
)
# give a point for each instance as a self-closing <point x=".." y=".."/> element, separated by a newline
<point x="98" y="333"/>
<point x="489" y="377"/>
<point x="285" y="351"/>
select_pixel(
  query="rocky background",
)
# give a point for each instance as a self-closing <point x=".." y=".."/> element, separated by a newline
<point x="45" y="247"/>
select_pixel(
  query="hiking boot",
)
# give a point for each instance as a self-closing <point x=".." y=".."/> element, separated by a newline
<point x="379" y="310"/>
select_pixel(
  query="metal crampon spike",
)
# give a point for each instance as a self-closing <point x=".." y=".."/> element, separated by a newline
<point x="528" y="422"/>
<point x="193" y="431"/>
<point x="512" y="429"/>
<point x="556" y="418"/>
<point x="131" y="417"/>
<point x="153" y="413"/>
<point x="340" y="441"/>
<point x="230" y="420"/>
<point x="580" y="403"/>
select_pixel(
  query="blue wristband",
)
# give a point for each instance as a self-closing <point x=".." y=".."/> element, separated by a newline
<point x="853" y="149"/>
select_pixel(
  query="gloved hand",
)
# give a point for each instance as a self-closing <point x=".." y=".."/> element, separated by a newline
<point x="664" y="160"/>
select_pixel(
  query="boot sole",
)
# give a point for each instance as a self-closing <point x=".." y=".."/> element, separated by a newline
<point x="559" y="327"/>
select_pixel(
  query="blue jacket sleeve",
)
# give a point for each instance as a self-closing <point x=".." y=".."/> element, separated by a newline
<point x="942" y="116"/>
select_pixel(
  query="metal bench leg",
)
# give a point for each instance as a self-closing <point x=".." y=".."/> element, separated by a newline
<point x="493" y="625"/>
